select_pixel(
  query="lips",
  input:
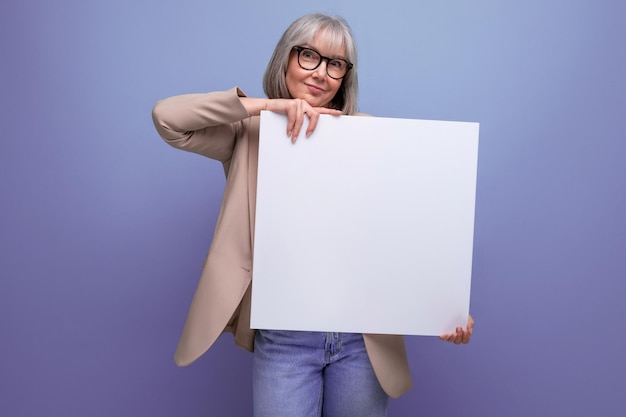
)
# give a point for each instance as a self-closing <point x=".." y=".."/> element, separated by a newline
<point x="314" y="89"/>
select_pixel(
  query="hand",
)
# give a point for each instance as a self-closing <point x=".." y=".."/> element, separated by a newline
<point x="461" y="335"/>
<point x="295" y="109"/>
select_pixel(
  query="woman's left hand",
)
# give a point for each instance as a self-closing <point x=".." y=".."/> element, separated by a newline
<point x="461" y="335"/>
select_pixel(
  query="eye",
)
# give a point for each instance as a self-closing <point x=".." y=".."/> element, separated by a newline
<point x="308" y="54"/>
<point x="337" y="64"/>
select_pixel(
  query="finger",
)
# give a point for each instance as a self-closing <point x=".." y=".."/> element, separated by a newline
<point x="292" y="115"/>
<point x="459" y="336"/>
<point x="313" y="118"/>
<point x="326" y="110"/>
<point x="298" y="121"/>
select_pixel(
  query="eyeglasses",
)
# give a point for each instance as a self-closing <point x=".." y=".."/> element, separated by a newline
<point x="309" y="59"/>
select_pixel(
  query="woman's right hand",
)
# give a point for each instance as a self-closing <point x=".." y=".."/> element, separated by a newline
<point x="295" y="109"/>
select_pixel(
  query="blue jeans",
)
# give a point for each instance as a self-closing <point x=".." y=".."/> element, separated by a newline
<point x="314" y="374"/>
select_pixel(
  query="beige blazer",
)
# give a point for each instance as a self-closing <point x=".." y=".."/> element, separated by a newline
<point x="218" y="126"/>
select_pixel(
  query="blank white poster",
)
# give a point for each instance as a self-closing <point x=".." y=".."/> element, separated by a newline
<point x="366" y="226"/>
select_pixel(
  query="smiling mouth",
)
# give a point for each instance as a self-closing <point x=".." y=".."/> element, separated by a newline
<point x="315" y="89"/>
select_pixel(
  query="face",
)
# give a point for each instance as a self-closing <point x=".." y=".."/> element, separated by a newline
<point x="314" y="86"/>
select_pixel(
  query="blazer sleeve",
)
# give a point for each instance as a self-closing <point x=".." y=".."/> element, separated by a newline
<point x="207" y="124"/>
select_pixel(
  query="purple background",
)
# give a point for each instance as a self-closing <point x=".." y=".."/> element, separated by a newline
<point x="104" y="228"/>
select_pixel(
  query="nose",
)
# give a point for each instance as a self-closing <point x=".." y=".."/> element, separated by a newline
<point x="321" y="70"/>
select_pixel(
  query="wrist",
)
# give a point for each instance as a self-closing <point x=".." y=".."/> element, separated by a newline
<point x="254" y="106"/>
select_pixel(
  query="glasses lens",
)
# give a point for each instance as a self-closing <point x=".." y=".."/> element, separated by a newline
<point x="309" y="59"/>
<point x="337" y="68"/>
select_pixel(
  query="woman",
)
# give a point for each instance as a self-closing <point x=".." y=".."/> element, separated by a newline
<point x="312" y="72"/>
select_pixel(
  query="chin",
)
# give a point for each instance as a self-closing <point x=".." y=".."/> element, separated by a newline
<point x="316" y="102"/>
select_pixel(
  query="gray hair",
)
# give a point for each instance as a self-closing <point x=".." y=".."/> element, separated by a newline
<point x="303" y="31"/>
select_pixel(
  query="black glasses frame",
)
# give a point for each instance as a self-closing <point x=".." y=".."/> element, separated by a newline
<point x="299" y="49"/>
